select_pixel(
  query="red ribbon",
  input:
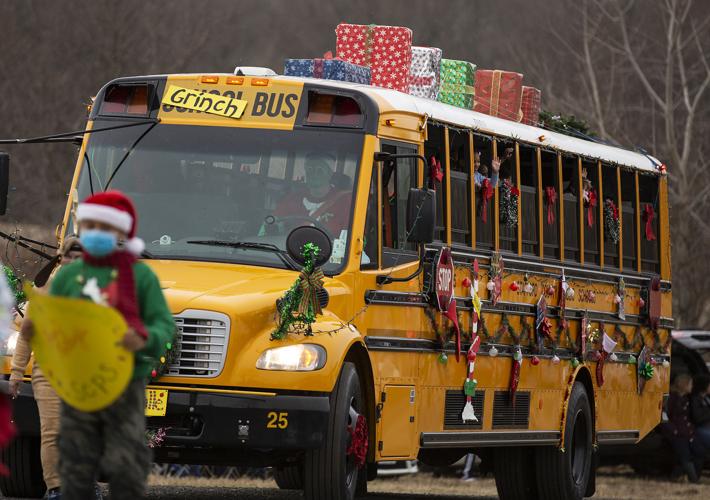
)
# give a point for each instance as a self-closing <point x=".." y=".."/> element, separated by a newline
<point x="546" y="328"/>
<point x="591" y="205"/>
<point x="648" y="215"/>
<point x="486" y="195"/>
<point x="451" y="314"/>
<point x="437" y="175"/>
<point x="600" y="367"/>
<point x="550" y="200"/>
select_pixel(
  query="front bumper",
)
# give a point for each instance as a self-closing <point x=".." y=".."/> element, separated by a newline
<point x="206" y="419"/>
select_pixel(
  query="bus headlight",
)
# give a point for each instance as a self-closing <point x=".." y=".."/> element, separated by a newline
<point x="11" y="343"/>
<point x="296" y="358"/>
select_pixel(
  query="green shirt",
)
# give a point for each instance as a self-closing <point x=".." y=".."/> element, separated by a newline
<point x="71" y="278"/>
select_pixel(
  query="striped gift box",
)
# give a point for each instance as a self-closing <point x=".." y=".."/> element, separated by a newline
<point x="530" y="105"/>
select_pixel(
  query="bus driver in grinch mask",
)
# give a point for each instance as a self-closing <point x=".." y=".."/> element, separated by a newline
<point x="321" y="203"/>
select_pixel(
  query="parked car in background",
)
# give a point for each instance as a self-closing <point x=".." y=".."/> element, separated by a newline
<point x="690" y="353"/>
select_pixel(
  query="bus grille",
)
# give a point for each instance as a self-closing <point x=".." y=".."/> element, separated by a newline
<point x="507" y="416"/>
<point x="202" y="338"/>
<point x="453" y="406"/>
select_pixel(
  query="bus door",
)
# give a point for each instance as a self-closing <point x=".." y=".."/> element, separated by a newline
<point x="395" y="316"/>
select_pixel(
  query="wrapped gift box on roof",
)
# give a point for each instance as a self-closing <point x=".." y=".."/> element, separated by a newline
<point x="531" y="105"/>
<point x="457" y="83"/>
<point x="424" y="72"/>
<point x="329" y="69"/>
<point x="499" y="93"/>
<point x="386" y="50"/>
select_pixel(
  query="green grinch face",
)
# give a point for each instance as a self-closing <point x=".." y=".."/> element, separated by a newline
<point x="318" y="173"/>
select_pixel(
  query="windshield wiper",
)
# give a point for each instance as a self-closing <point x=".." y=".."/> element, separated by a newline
<point x="250" y="245"/>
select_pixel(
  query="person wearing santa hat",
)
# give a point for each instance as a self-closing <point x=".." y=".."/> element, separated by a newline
<point x="113" y="439"/>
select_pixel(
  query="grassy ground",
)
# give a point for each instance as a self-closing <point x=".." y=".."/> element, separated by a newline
<point x="611" y="483"/>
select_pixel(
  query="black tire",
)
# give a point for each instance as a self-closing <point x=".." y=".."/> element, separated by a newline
<point x="22" y="457"/>
<point x="289" y="477"/>
<point x="328" y="473"/>
<point x="514" y="473"/>
<point x="565" y="475"/>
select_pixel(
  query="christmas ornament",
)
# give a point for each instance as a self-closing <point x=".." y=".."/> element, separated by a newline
<point x="514" y="286"/>
<point x="493" y="352"/>
<point x="632" y="360"/>
<point x="490" y="286"/>
<point x="534" y="361"/>
<point x="443" y="358"/>
<point x="509" y="204"/>
<point x="612" y="225"/>
<point x="298" y="308"/>
<point x="555" y="359"/>
<point x="569" y="293"/>
<point x="550" y="290"/>
<point x="470" y="384"/>
<point x="529" y="288"/>
<point x="574" y="362"/>
<point x="613" y="357"/>
<point x="666" y="363"/>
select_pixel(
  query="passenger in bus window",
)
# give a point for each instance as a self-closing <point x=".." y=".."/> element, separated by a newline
<point x="480" y="172"/>
<point x="324" y="201"/>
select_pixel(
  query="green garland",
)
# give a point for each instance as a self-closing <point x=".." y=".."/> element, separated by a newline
<point x="565" y="124"/>
<point x="297" y="310"/>
<point x="170" y="357"/>
<point x="15" y="285"/>
<point x="509" y="204"/>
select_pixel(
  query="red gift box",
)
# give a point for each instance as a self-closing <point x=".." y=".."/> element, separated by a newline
<point x="386" y="50"/>
<point x="531" y="105"/>
<point x="498" y="93"/>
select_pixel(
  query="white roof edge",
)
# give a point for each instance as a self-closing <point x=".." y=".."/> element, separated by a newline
<point x="478" y="121"/>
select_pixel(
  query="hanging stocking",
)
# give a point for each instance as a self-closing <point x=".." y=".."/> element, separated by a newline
<point x="591" y="205"/>
<point x="435" y="171"/>
<point x="608" y="346"/>
<point x="469" y="386"/>
<point x="515" y="373"/>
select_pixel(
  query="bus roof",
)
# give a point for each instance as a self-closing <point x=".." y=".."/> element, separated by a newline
<point x="399" y="101"/>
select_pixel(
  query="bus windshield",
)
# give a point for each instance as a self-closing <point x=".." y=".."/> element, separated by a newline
<point x="195" y="184"/>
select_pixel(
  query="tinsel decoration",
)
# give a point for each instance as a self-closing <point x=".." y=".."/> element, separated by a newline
<point x="509" y="204"/>
<point x="612" y="225"/>
<point x="154" y="437"/>
<point x="358" y="441"/>
<point x="296" y="311"/>
<point x="170" y="357"/>
<point x="15" y="285"/>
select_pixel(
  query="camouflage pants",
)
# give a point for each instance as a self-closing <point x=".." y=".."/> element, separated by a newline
<point x="112" y="441"/>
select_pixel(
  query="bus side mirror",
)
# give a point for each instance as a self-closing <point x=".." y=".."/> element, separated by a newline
<point x="421" y="215"/>
<point x="4" y="181"/>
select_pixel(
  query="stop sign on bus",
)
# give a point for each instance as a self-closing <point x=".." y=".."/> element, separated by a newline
<point x="444" y="279"/>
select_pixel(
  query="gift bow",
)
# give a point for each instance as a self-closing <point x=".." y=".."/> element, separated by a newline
<point x="646" y="371"/>
<point x="648" y="215"/>
<point x="437" y="175"/>
<point x="311" y="283"/>
<point x="591" y="205"/>
<point x="550" y="200"/>
<point x="486" y="195"/>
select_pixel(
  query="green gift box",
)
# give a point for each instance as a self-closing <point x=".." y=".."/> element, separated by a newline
<point x="457" y="81"/>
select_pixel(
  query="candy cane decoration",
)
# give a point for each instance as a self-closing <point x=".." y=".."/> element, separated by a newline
<point x="469" y="386"/>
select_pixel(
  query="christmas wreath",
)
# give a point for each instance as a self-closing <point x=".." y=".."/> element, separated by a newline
<point x="509" y="204"/>
<point x="612" y="225"/>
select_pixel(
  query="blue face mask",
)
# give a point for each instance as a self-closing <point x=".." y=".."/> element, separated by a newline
<point x="98" y="243"/>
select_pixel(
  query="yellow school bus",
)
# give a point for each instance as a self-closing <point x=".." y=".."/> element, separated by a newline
<point x="525" y="318"/>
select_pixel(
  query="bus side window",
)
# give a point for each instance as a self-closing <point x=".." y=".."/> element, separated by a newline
<point x="648" y="196"/>
<point x="508" y="232"/>
<point x="460" y="165"/>
<point x="435" y="147"/>
<point x="590" y="198"/>
<point x="628" y="222"/>
<point x="483" y="154"/>
<point x="610" y="188"/>
<point x="397" y="179"/>
<point x="571" y="199"/>
<point x="370" y="255"/>
<point x="551" y="199"/>
<point x="528" y="200"/>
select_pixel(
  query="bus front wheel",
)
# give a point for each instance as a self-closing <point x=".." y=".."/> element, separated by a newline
<point x="563" y="475"/>
<point x="331" y="472"/>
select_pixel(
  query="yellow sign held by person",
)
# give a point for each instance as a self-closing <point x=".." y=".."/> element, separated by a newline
<point x="78" y="345"/>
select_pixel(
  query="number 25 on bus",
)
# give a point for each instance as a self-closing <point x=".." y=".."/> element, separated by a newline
<point x="523" y="316"/>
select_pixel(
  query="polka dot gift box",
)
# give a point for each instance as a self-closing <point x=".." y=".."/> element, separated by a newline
<point x="386" y="50"/>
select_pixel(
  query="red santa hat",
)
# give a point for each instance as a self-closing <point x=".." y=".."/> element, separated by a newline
<point x="115" y="209"/>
